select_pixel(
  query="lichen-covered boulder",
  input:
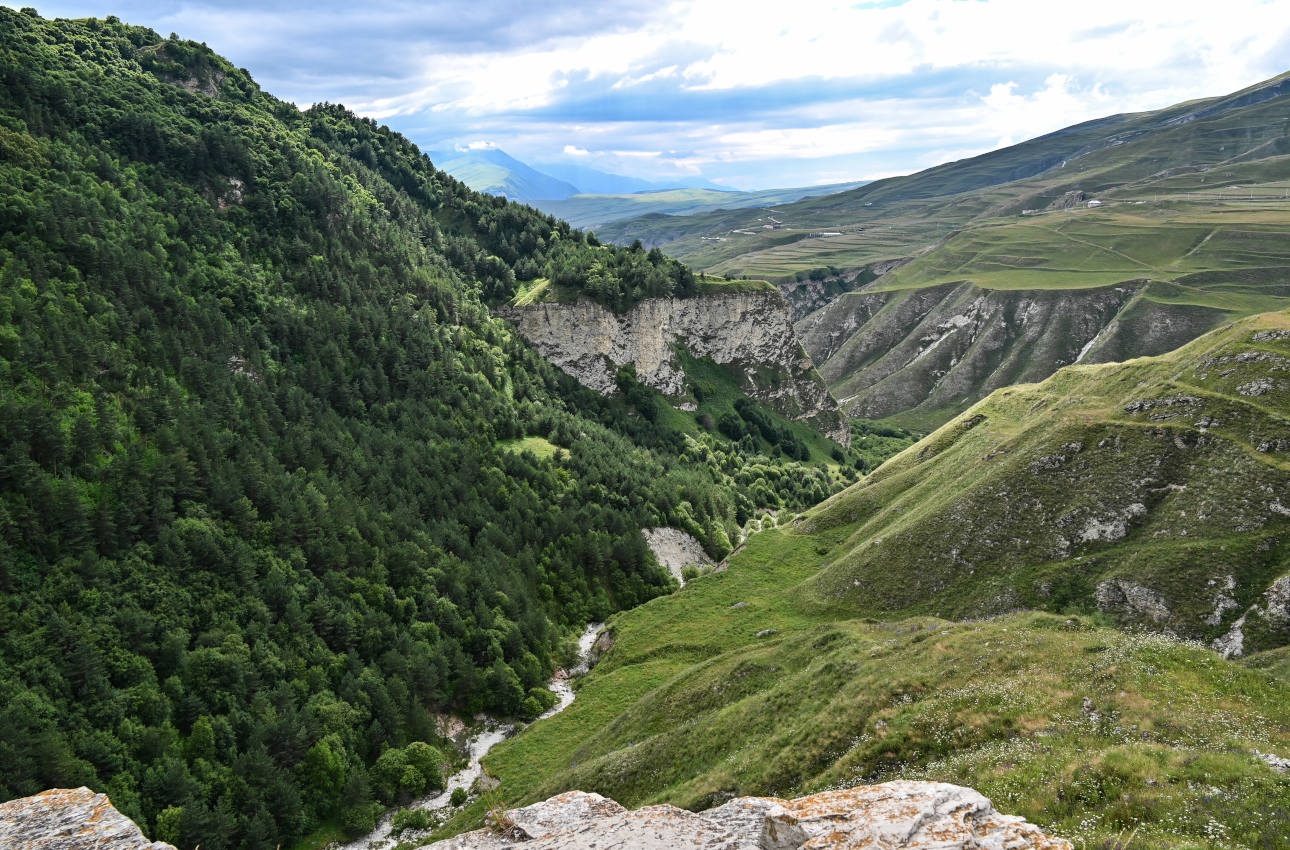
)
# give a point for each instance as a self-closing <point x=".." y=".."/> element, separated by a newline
<point x="70" y="819"/>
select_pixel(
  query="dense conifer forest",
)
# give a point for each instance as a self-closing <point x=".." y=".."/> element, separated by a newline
<point x="261" y="515"/>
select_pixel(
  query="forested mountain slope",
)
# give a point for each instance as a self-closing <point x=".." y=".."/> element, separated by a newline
<point x="265" y="498"/>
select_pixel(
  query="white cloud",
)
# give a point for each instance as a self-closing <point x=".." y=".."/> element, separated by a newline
<point x="757" y="86"/>
<point x="1107" y="56"/>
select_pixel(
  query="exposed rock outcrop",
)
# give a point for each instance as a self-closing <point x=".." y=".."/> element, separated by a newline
<point x="70" y="819"/>
<point x="903" y="814"/>
<point x="1141" y="488"/>
<point x="675" y="549"/>
<point x="1270" y="614"/>
<point x="749" y="332"/>
<point x="935" y="351"/>
<point x="806" y="296"/>
<point x="1132" y="599"/>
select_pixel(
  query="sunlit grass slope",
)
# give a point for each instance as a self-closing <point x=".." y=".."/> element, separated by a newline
<point x="1226" y="154"/>
<point x="817" y="659"/>
<point x="1166" y="473"/>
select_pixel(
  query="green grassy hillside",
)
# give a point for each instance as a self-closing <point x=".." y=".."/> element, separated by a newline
<point x="1206" y="145"/>
<point x="1161" y="473"/>
<point x="878" y="635"/>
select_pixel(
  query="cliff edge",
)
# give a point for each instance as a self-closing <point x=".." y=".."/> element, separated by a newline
<point x="70" y="819"/>
<point x="748" y="332"/>
<point x="911" y="815"/>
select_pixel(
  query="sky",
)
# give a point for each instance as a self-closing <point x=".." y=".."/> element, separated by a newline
<point x="754" y="94"/>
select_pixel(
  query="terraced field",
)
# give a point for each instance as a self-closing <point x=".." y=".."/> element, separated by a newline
<point x="1227" y="153"/>
<point x="1129" y="240"/>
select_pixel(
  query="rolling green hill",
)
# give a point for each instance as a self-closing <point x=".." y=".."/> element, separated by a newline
<point x="590" y="210"/>
<point x="883" y="634"/>
<point x="1177" y="151"/>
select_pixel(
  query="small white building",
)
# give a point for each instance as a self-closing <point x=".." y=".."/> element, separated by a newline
<point x="1094" y="204"/>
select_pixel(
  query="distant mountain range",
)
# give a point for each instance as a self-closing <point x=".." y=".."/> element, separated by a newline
<point x="586" y="197"/>
<point x="498" y="173"/>
<point x="596" y="210"/>
<point x="593" y="182"/>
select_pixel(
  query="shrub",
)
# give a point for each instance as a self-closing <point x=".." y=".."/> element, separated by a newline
<point x="361" y="818"/>
<point x="411" y="819"/>
<point x="427" y="760"/>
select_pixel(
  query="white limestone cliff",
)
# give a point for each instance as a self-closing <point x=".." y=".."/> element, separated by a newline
<point x="749" y="332"/>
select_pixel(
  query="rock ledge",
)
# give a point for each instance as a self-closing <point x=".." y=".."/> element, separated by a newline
<point x="749" y="332"/>
<point x="70" y="819"/>
<point x="912" y="815"/>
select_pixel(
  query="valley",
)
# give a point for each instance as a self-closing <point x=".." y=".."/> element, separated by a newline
<point x="343" y="505"/>
<point x="479" y="742"/>
<point x="278" y="490"/>
<point x="890" y="633"/>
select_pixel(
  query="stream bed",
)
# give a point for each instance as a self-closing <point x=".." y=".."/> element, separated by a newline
<point x="490" y="734"/>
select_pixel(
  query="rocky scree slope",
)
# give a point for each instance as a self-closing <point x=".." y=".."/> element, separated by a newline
<point x="1154" y="490"/>
<point x="748" y="332"/>
<point x="923" y="355"/>
<point x="913" y="815"/>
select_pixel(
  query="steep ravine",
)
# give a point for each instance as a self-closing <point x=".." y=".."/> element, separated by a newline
<point x="490" y="734"/>
<point x="927" y="354"/>
<point x="748" y="332"/>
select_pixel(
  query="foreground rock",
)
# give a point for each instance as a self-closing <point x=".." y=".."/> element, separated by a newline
<point x="930" y="815"/>
<point x="70" y="819"/>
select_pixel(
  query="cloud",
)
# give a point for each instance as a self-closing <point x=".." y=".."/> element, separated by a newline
<point x="759" y="93"/>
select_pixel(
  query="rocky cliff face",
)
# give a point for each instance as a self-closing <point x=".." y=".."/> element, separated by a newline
<point x="70" y="819"/>
<point x="933" y="352"/>
<point x="749" y="332"/>
<point x="804" y="297"/>
<point x="904" y="814"/>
